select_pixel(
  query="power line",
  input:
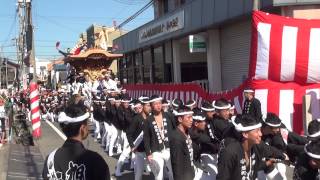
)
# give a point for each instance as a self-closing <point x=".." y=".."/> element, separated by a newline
<point x="135" y="14"/>
<point x="129" y="2"/>
<point x="59" y="24"/>
<point x="11" y="27"/>
<point x="87" y="17"/>
<point x="65" y="41"/>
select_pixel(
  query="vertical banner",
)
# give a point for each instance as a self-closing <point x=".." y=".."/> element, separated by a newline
<point x="35" y="110"/>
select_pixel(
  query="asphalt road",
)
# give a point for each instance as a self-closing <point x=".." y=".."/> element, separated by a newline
<point x="51" y="140"/>
<point x="26" y="162"/>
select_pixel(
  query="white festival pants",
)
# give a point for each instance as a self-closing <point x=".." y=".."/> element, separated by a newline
<point x="97" y="129"/>
<point x="112" y="133"/>
<point x="161" y="159"/>
<point x="105" y="133"/>
<point x="124" y="155"/>
<point x="113" y="140"/>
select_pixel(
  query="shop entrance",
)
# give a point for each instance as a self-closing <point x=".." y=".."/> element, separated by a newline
<point x="194" y="71"/>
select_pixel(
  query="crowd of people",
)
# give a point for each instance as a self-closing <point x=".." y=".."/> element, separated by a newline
<point x="10" y="104"/>
<point x="173" y="139"/>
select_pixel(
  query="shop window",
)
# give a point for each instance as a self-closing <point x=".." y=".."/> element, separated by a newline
<point x="131" y="76"/>
<point x="124" y="76"/>
<point x="194" y="71"/>
<point x="168" y="73"/>
<point x="158" y="65"/>
<point x="130" y="62"/>
<point x="147" y="74"/>
<point x="147" y="57"/>
<point x="139" y="74"/>
<point x="168" y="62"/>
<point x="138" y="59"/>
<point x="122" y="64"/>
<point x="147" y="64"/>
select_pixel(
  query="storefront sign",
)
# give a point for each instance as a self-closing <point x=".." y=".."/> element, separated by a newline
<point x="162" y="27"/>
<point x="197" y="43"/>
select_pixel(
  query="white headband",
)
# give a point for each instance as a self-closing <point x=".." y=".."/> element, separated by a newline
<point x="273" y="125"/>
<point x="241" y="128"/>
<point x="165" y="104"/>
<point x="183" y="113"/>
<point x="142" y="98"/>
<point x="145" y="102"/>
<point x="63" y="118"/>
<point x="248" y="91"/>
<point x="207" y="109"/>
<point x="174" y="112"/>
<point x="125" y="101"/>
<point x="199" y="118"/>
<point x="111" y="99"/>
<point x="317" y="134"/>
<point x="174" y="104"/>
<point x="315" y="156"/>
<point x="223" y="107"/>
<point x="155" y="99"/>
<point x="114" y="91"/>
<point x="190" y="105"/>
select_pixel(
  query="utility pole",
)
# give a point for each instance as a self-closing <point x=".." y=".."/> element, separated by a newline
<point x="21" y="40"/>
<point x="30" y="39"/>
<point x="1" y="60"/>
<point x="7" y="73"/>
<point x="19" y="43"/>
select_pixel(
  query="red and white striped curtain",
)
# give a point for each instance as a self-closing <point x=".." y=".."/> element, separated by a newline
<point x="284" y="66"/>
<point x="285" y="49"/>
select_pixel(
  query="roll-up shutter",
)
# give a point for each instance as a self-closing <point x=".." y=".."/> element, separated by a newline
<point x="235" y="53"/>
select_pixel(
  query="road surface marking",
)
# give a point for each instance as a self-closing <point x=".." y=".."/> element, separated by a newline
<point x="57" y="130"/>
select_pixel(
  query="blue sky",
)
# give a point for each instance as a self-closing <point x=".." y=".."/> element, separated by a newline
<point x="64" y="20"/>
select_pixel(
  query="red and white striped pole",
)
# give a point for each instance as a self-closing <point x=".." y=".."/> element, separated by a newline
<point x="35" y="110"/>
